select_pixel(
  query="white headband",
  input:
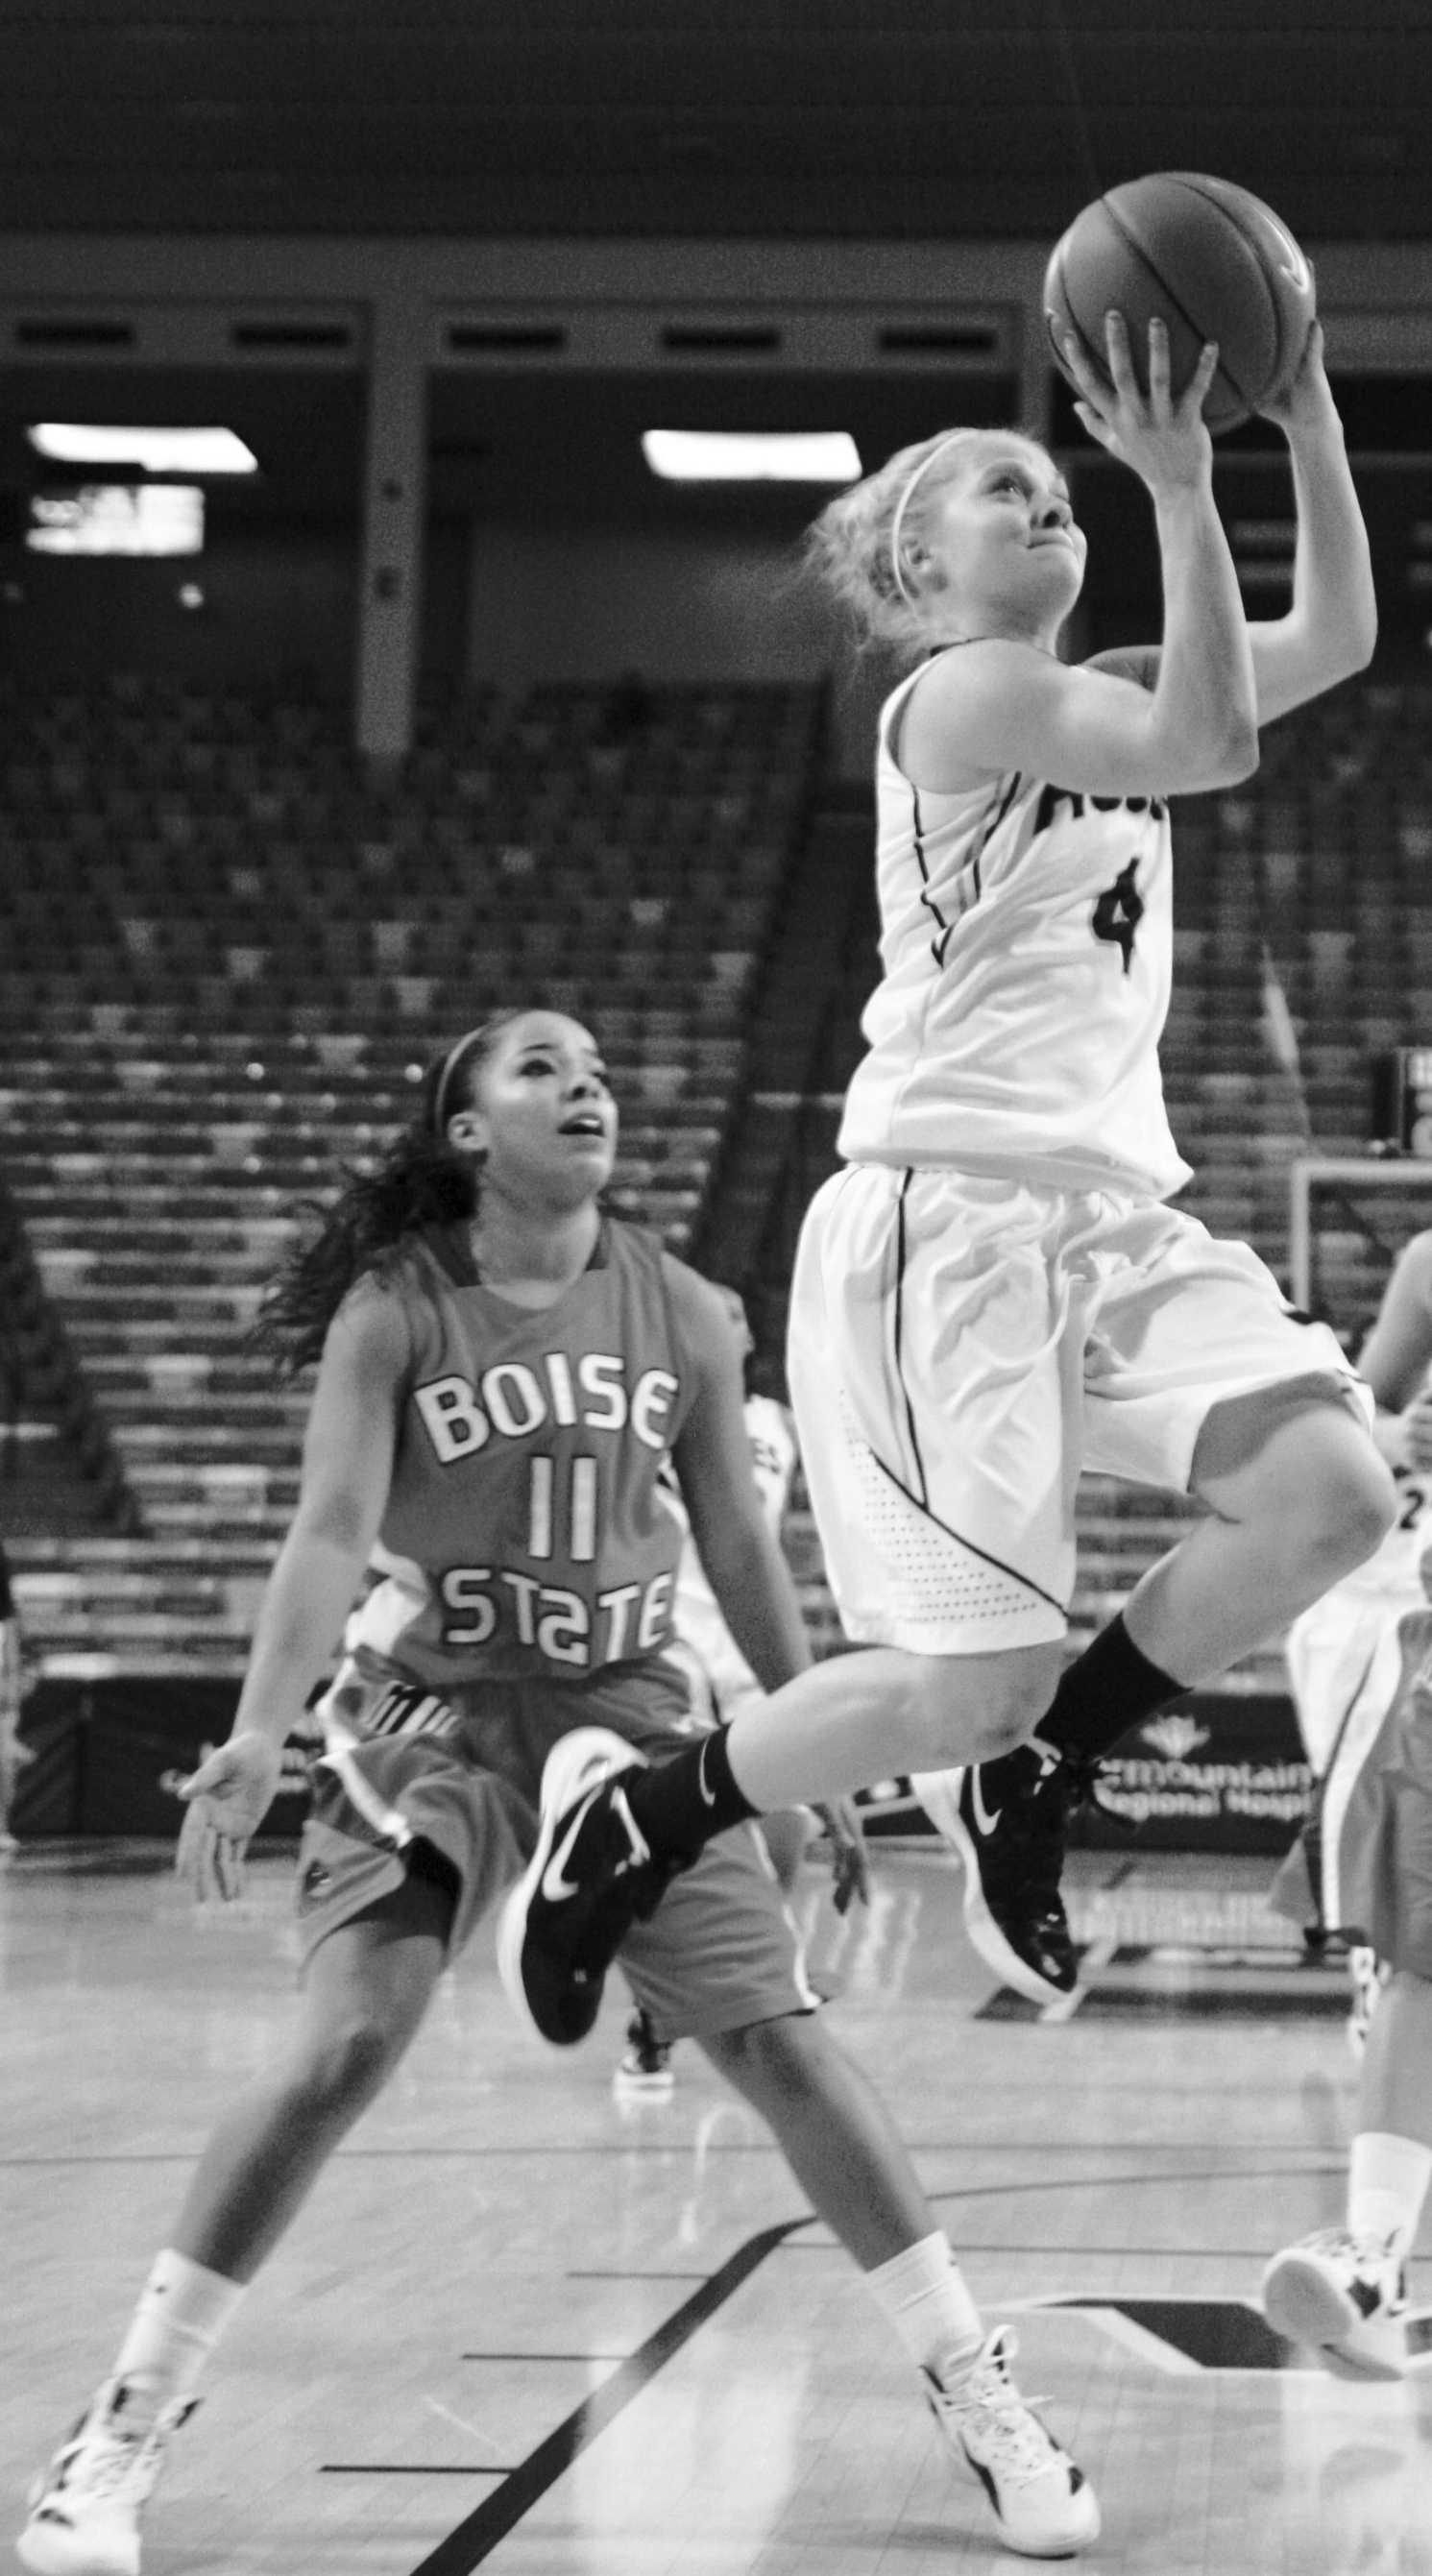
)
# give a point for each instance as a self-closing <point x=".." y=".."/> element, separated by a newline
<point x="903" y="504"/>
<point x="447" y="1073"/>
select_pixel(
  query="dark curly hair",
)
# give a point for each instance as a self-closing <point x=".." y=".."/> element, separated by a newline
<point x="422" y="1181"/>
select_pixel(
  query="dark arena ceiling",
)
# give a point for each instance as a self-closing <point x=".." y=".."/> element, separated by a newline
<point x="836" y="118"/>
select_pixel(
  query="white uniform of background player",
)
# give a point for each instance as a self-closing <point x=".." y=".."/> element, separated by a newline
<point x="1361" y="1666"/>
<point x="1333" y="1649"/>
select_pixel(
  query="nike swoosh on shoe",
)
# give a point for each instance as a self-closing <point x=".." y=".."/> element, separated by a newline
<point x="985" y="1821"/>
<point x="555" y="1886"/>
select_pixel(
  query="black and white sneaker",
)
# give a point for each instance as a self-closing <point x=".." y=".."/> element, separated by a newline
<point x="1042" y="2503"/>
<point x="590" y="1878"/>
<point x="85" y="2508"/>
<point x="1009" y="1822"/>
<point x="1347" y="2296"/>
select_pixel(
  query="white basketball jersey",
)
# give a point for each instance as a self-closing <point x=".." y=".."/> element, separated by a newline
<point x="695" y="1611"/>
<point x="1027" y="952"/>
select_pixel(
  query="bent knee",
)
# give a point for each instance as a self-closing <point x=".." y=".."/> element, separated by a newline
<point x="766" y="2061"/>
<point x="347" y="2062"/>
<point x="1342" y="1518"/>
<point x="973" y="1708"/>
<point x="771" y="2047"/>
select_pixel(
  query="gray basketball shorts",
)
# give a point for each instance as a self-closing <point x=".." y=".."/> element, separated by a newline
<point x="461" y="1771"/>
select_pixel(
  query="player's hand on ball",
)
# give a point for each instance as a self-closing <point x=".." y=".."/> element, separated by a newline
<point x="1163" y="438"/>
<point x="228" y="1797"/>
<point x="849" y="1860"/>
<point x="1307" y="398"/>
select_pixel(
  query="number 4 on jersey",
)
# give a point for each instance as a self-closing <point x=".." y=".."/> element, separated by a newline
<point x="1119" y="911"/>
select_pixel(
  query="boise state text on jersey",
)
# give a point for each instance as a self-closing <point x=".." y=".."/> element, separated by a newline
<point x="1027" y="954"/>
<point x="525" y="1531"/>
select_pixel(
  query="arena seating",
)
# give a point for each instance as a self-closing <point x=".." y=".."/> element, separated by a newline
<point x="1329" y="852"/>
<point x="226" y="956"/>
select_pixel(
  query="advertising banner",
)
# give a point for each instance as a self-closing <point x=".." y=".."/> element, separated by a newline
<point x="1219" y="1772"/>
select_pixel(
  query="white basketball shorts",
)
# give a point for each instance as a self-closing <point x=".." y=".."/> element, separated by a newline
<point x="1340" y="1656"/>
<point x="1363" y="1863"/>
<point x="961" y="1348"/>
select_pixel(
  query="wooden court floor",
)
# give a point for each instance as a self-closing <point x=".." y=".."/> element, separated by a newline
<point x="524" y="2328"/>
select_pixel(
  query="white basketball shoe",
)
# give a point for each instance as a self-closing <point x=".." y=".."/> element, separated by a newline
<point x="1347" y="2296"/>
<point x="85" y="2507"/>
<point x="1044" y="2505"/>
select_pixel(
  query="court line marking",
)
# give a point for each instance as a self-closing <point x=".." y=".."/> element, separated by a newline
<point x="1120" y="2329"/>
<point x="523" y="2487"/>
<point x="1097" y="2182"/>
<point x="671" y="2276"/>
<point x="662" y="2146"/>
<point x="973" y="2246"/>
<point x="1110" y="2314"/>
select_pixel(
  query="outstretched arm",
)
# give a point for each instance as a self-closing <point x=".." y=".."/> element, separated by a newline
<point x="1331" y="627"/>
<point x="347" y="1464"/>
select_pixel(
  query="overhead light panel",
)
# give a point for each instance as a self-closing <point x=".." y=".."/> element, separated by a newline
<point x="752" y="456"/>
<point x="118" y="519"/>
<point x="156" y="451"/>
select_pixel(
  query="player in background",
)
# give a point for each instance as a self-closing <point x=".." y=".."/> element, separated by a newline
<point x="721" y="1681"/>
<point x="992" y="1295"/>
<point x="503" y="1371"/>
<point x="1361" y="1667"/>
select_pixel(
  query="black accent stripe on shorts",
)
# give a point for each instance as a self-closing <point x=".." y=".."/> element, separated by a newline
<point x="960" y="1541"/>
<point x="499" y="2513"/>
<point x="899" y="1336"/>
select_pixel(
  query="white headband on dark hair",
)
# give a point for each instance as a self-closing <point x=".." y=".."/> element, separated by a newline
<point x="449" y="1068"/>
<point x="903" y="503"/>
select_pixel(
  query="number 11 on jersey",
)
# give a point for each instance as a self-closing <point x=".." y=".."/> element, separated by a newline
<point x="581" y="1510"/>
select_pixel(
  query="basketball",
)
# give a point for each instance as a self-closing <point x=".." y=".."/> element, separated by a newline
<point x="1205" y="257"/>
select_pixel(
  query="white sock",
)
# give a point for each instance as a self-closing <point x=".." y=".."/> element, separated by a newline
<point x="1386" y="2185"/>
<point x="183" y="2309"/>
<point x="926" y="2297"/>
